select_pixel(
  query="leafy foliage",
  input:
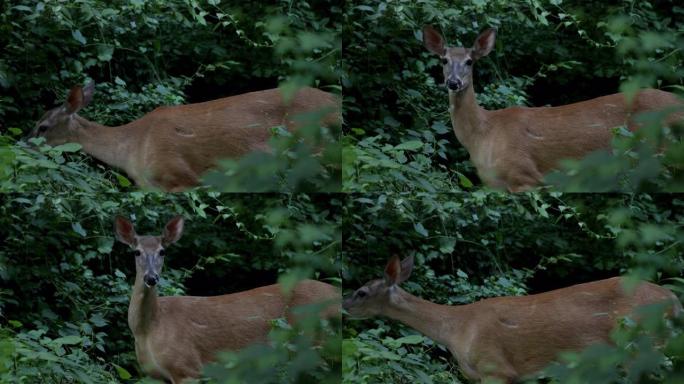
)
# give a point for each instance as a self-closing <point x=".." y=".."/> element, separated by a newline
<point x="649" y="159"/>
<point x="294" y="356"/>
<point x="306" y="160"/>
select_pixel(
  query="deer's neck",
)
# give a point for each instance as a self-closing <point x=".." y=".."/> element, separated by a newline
<point x="467" y="117"/>
<point x="432" y="320"/>
<point x="112" y="145"/>
<point x="143" y="308"/>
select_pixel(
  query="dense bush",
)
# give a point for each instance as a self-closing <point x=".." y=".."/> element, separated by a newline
<point x="477" y="245"/>
<point x="398" y="134"/>
<point x="66" y="282"/>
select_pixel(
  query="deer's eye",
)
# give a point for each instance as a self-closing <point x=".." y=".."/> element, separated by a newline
<point x="361" y="294"/>
<point x="137" y="253"/>
<point x="42" y="128"/>
<point x="444" y="61"/>
<point x="469" y="62"/>
<point x="162" y="252"/>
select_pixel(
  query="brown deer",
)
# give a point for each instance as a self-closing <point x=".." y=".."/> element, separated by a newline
<point x="506" y="338"/>
<point x="176" y="335"/>
<point x="171" y="147"/>
<point x="513" y="148"/>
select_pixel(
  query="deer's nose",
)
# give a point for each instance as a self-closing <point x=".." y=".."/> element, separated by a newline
<point x="454" y="84"/>
<point x="151" y="279"/>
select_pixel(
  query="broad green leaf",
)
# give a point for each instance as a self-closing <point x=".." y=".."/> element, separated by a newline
<point x="122" y="372"/>
<point x="464" y="181"/>
<point x="411" y="339"/>
<point x="104" y="52"/>
<point x="76" y="34"/>
<point x="420" y="229"/>
<point x="78" y="229"/>
<point x="410" y="145"/>
<point x="123" y="181"/>
<point x="68" y="147"/>
<point x="68" y="340"/>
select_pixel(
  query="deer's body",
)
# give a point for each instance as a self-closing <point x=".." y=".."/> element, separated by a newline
<point x="513" y="148"/>
<point x="175" y="336"/>
<point x="509" y="337"/>
<point x="517" y="336"/>
<point x="171" y="147"/>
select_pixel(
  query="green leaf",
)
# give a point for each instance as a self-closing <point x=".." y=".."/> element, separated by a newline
<point x="68" y="340"/>
<point x="22" y="8"/>
<point x="420" y="229"/>
<point x="410" y="145"/>
<point x="123" y="181"/>
<point x="122" y="372"/>
<point x="76" y="34"/>
<point x="104" y="52"/>
<point x="78" y="229"/>
<point x="98" y="320"/>
<point x="288" y="89"/>
<point x="447" y="245"/>
<point x="464" y="181"/>
<point x="68" y="147"/>
<point x="411" y="339"/>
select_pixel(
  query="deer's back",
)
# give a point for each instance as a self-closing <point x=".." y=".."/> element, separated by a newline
<point x="230" y="127"/>
<point x="531" y="330"/>
<point x="548" y="134"/>
<point x="190" y="330"/>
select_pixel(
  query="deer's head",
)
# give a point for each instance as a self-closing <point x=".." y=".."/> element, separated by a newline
<point x="375" y="295"/>
<point x="58" y="125"/>
<point x="458" y="62"/>
<point x="149" y="250"/>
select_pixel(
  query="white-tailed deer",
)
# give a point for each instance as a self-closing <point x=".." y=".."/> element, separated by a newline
<point x="176" y="335"/>
<point x="507" y="338"/>
<point x="171" y="147"/>
<point x="513" y="148"/>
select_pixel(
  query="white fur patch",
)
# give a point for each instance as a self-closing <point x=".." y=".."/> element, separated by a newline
<point x="154" y="361"/>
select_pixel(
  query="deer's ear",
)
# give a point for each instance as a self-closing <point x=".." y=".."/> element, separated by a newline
<point x="433" y="41"/>
<point x="125" y="232"/>
<point x="88" y="92"/>
<point x="484" y="43"/>
<point x="173" y="231"/>
<point x="406" y="269"/>
<point x="392" y="271"/>
<point x="74" y="101"/>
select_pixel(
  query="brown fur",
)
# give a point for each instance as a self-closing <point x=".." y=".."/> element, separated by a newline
<point x="511" y="337"/>
<point x="182" y="333"/>
<point x="513" y="148"/>
<point x="171" y="147"/>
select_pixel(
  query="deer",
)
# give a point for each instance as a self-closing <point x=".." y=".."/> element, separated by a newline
<point x="176" y="335"/>
<point x="513" y="148"/>
<point x="172" y="146"/>
<point x="508" y="338"/>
